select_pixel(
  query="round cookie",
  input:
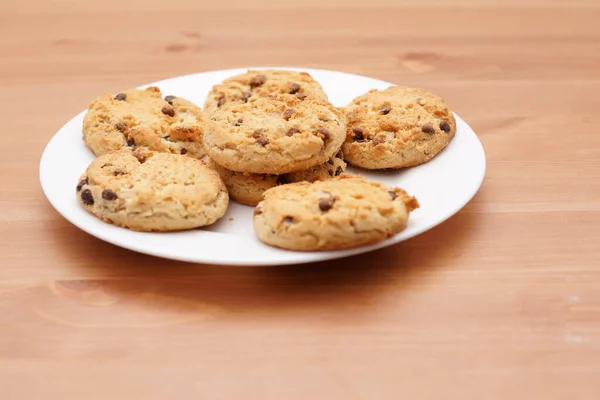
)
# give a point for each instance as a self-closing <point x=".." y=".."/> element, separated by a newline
<point x="252" y="84"/>
<point x="397" y="127"/>
<point x="149" y="191"/>
<point x="143" y="118"/>
<point x="248" y="188"/>
<point x="274" y="135"/>
<point x="339" y="213"/>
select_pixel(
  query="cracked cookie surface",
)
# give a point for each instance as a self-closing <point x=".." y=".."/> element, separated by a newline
<point x="252" y="84"/>
<point x="340" y="213"/>
<point x="397" y="127"/>
<point x="144" y="118"/>
<point x="150" y="191"/>
<point x="274" y="135"/>
<point x="248" y="188"/>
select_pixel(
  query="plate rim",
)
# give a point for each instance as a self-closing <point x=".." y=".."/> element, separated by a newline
<point x="318" y="256"/>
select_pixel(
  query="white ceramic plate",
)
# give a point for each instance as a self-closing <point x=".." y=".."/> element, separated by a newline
<point x="442" y="186"/>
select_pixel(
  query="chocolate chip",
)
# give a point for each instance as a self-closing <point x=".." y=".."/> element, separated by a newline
<point x="445" y="126"/>
<point x="108" y="194"/>
<point x="106" y="165"/>
<point x="257" y="81"/>
<point x="121" y="126"/>
<point x="257" y="211"/>
<point x="283" y="179"/>
<point x="81" y="183"/>
<point x="87" y="197"/>
<point x="358" y="134"/>
<point x="330" y="172"/>
<point x="166" y="137"/>
<point x="263" y="141"/>
<point x="239" y="122"/>
<point x="168" y="110"/>
<point x="246" y="96"/>
<point x="385" y="110"/>
<point x="169" y="99"/>
<point x="140" y="157"/>
<point x="393" y="195"/>
<point x="339" y="154"/>
<point x="287" y="114"/>
<point x="326" y="204"/>
<point x="130" y="142"/>
<point x="330" y="162"/>
<point x="120" y="97"/>
<point x="377" y="140"/>
<point x="288" y="219"/>
<point x="295" y="88"/>
<point x="292" y="131"/>
<point x="301" y="96"/>
<point x="221" y="101"/>
<point x="119" y="172"/>
<point x="183" y="151"/>
<point x="324" y="133"/>
<point x="324" y="119"/>
<point x="260" y="138"/>
<point x="428" y="129"/>
<point x="339" y="171"/>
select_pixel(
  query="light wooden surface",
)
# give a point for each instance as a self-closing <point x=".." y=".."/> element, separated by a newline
<point x="500" y="302"/>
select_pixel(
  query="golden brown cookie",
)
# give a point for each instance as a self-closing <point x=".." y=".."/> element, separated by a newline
<point x="274" y="135"/>
<point x="339" y="213"/>
<point x="397" y="127"/>
<point x="248" y="188"/>
<point x="149" y="191"/>
<point x="143" y="118"/>
<point x="252" y="84"/>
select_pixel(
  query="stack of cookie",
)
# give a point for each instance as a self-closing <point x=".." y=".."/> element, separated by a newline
<point x="148" y="175"/>
<point x="267" y="128"/>
<point x="269" y="139"/>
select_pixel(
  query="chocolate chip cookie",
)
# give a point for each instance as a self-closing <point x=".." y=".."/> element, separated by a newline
<point x="241" y="88"/>
<point x="340" y="213"/>
<point x="274" y="135"/>
<point x="397" y="127"/>
<point x="248" y="188"/>
<point x="144" y="118"/>
<point x="150" y="191"/>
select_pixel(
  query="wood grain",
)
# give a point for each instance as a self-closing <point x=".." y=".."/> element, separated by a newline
<point x="500" y="302"/>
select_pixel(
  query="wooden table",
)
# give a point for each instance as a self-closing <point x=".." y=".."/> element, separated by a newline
<point x="500" y="302"/>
